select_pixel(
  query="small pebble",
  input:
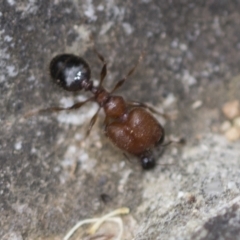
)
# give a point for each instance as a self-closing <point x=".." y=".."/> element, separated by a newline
<point x="197" y="104"/>
<point x="225" y="126"/>
<point x="231" y="109"/>
<point x="232" y="134"/>
<point x="236" y="122"/>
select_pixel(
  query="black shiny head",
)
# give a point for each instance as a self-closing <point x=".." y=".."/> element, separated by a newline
<point x="148" y="162"/>
<point x="70" y="72"/>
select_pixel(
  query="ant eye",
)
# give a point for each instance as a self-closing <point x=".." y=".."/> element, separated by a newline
<point x="148" y="162"/>
<point x="69" y="71"/>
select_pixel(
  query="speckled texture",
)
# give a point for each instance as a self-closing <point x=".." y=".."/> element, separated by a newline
<point x="50" y="176"/>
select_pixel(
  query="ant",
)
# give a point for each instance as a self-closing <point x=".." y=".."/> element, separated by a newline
<point x="127" y="124"/>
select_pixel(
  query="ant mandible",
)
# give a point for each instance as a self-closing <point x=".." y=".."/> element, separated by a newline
<point x="127" y="124"/>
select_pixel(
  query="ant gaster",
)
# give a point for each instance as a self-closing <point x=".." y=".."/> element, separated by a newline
<point x="127" y="124"/>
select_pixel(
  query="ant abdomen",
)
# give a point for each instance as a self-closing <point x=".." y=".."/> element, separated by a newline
<point x="70" y="71"/>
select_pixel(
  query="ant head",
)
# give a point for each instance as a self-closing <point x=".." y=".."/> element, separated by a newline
<point x="148" y="162"/>
<point x="70" y="72"/>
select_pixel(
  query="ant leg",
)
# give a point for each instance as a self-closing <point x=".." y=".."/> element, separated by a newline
<point x="130" y="160"/>
<point x="106" y="121"/>
<point x="92" y="122"/>
<point x="104" y="67"/>
<point x="57" y="109"/>
<point x="130" y="72"/>
<point x="105" y="124"/>
<point x="151" y="109"/>
<point x="126" y="156"/>
<point x="103" y="74"/>
<point x="181" y="141"/>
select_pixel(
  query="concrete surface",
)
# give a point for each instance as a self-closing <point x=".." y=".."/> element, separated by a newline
<point x="50" y="177"/>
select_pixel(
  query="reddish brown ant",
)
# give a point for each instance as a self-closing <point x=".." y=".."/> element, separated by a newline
<point x="127" y="124"/>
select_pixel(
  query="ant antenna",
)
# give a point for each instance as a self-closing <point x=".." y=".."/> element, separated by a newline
<point x="130" y="72"/>
<point x="101" y="58"/>
<point x="92" y="122"/>
<point x="104" y="67"/>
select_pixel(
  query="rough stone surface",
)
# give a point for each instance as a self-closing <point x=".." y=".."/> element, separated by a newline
<point x="51" y="177"/>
